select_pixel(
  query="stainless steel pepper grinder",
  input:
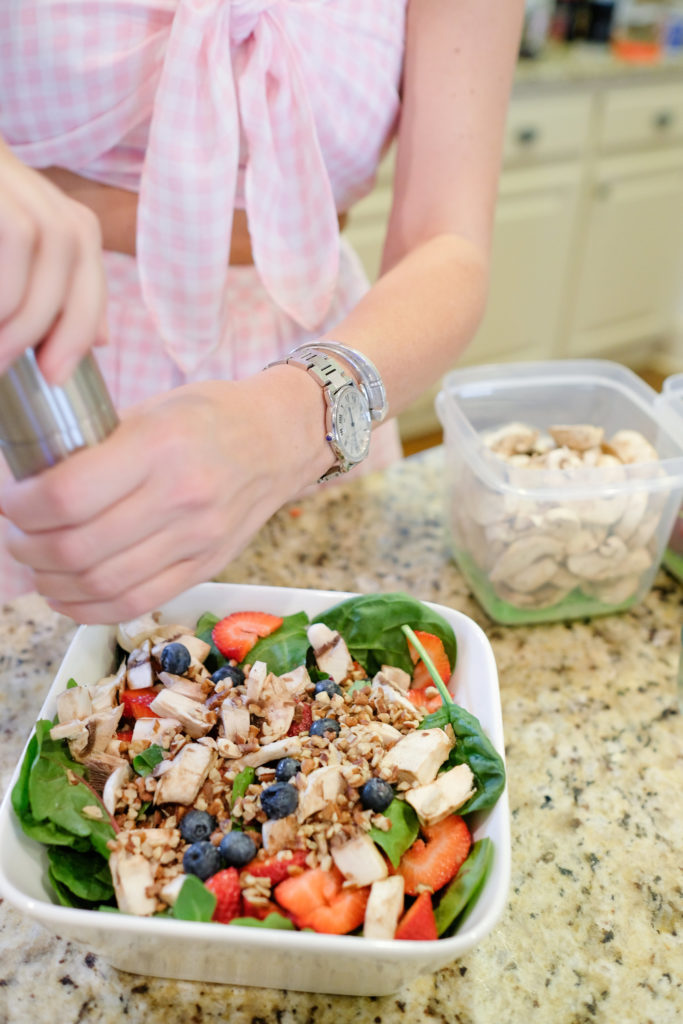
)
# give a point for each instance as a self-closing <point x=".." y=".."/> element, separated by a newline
<point x="41" y="424"/>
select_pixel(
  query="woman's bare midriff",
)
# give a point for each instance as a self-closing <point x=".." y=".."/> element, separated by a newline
<point x="116" y="209"/>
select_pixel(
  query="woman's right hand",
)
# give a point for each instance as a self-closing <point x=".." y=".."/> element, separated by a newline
<point x="52" y="285"/>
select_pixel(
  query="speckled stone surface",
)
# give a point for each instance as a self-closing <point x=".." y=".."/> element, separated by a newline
<point x="593" y="930"/>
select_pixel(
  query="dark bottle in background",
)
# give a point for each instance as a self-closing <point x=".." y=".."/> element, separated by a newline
<point x="601" y="17"/>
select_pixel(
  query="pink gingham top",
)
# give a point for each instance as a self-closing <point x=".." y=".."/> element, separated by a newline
<point x="278" y="106"/>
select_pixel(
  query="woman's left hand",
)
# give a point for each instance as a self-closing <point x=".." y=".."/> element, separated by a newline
<point x="168" y="499"/>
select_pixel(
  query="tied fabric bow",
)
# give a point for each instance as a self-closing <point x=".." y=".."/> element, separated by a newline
<point x="189" y="179"/>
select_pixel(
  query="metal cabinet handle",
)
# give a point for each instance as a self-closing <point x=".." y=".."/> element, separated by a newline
<point x="527" y="136"/>
<point x="663" y="119"/>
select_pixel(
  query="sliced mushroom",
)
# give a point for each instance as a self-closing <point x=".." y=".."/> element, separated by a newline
<point x="74" y="703"/>
<point x="158" y="731"/>
<point x="512" y="439"/>
<point x="280" y="834"/>
<point x="613" y="591"/>
<point x="235" y="719"/>
<point x="384" y="907"/>
<point x="139" y="670"/>
<point x="359" y="860"/>
<point x="522" y="553"/>
<point x="185" y="775"/>
<point x="195" y="718"/>
<point x="330" y="651"/>
<point x="417" y="757"/>
<point x="601" y="563"/>
<point x="179" y="684"/>
<point x="630" y="446"/>
<point x="323" y="786"/>
<point x="578" y="436"/>
<point x="132" y="875"/>
<point x="114" y="785"/>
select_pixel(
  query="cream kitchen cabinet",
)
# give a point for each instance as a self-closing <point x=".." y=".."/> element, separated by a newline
<point x="588" y="241"/>
<point x="629" y="263"/>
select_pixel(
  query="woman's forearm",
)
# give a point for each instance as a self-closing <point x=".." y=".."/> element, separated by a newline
<point x="418" y="317"/>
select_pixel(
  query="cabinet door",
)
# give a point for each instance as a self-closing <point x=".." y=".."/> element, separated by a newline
<point x="535" y="220"/>
<point x="532" y="243"/>
<point x="631" y="266"/>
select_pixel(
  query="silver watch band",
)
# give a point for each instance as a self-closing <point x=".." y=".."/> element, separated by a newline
<point x="333" y="379"/>
<point x="367" y="374"/>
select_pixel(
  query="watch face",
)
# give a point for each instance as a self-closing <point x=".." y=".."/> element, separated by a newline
<point x="352" y="424"/>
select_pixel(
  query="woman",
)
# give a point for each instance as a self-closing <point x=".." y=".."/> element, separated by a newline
<point x="211" y="149"/>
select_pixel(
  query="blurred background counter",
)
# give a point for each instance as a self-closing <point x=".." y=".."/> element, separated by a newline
<point x="592" y="930"/>
<point x="588" y="240"/>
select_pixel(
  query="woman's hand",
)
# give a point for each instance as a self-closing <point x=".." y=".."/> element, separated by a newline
<point x="52" y="286"/>
<point x="170" y="497"/>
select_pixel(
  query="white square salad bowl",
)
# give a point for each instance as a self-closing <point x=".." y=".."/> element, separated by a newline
<point x="304" y="961"/>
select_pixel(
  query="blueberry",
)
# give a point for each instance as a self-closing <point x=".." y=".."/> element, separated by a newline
<point x="232" y="672"/>
<point x="175" y="658"/>
<point x="202" y="859"/>
<point x="279" y="800"/>
<point x="286" y="769"/>
<point x="197" y="825"/>
<point x="237" y="849"/>
<point x="376" y="795"/>
<point x="327" y="686"/>
<point x="324" y="725"/>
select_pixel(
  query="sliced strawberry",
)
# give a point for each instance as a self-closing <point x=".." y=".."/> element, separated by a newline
<point x="275" y="868"/>
<point x="437" y="652"/>
<point x="225" y="885"/>
<point x="136" y="703"/>
<point x="344" y="914"/>
<point x="317" y="900"/>
<point x="236" y="634"/>
<point x="434" y="860"/>
<point x="418" y="922"/>
<point x="427" y="702"/>
<point x="303" y="719"/>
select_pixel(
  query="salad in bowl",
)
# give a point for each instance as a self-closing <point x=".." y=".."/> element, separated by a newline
<point x="306" y="772"/>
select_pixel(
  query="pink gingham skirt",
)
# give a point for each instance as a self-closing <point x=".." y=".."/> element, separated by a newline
<point x="136" y="365"/>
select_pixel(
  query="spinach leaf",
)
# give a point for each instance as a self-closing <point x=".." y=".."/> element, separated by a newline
<point x="145" y="762"/>
<point x="271" y="921"/>
<point x="71" y="684"/>
<point x="285" y="648"/>
<point x="371" y="625"/>
<point x="474" y="748"/>
<point x="195" y="902"/>
<point x="51" y="802"/>
<point x="403" y="832"/>
<point x="86" y="875"/>
<point x="463" y="891"/>
<point x="203" y="630"/>
<point x="241" y="783"/>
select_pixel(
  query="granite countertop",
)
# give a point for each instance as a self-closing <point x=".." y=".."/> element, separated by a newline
<point x="593" y="930"/>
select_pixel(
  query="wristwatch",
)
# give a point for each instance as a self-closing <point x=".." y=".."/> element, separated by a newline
<point x="348" y="409"/>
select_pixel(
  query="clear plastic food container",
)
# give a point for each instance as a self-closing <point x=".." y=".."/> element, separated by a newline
<point x="575" y="532"/>
<point x="673" y="555"/>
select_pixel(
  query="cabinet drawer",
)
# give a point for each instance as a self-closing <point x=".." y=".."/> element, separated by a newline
<point x="644" y="116"/>
<point x="539" y="129"/>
